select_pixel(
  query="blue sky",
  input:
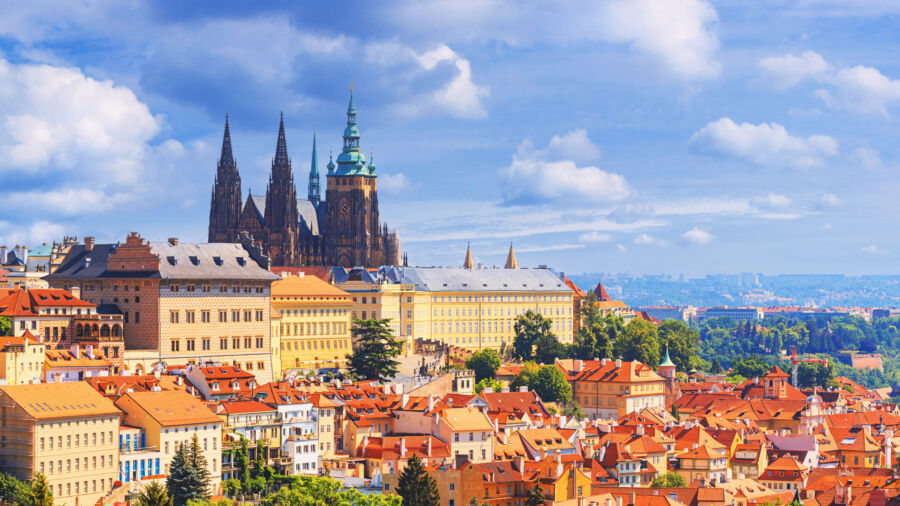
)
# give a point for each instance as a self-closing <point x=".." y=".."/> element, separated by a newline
<point x="678" y="136"/>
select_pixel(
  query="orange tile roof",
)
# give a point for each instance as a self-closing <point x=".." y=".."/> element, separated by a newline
<point x="59" y="400"/>
<point x="467" y="419"/>
<point x="19" y="341"/>
<point x="244" y="406"/>
<point x="702" y="452"/>
<point x="170" y="407"/>
<point x="296" y="286"/>
<point x="65" y="358"/>
<point x="28" y="302"/>
<point x="388" y="448"/>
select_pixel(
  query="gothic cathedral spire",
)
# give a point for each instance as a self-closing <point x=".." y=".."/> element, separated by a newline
<point x="281" y="214"/>
<point x="313" y="194"/>
<point x="225" y="206"/>
<point x="281" y="154"/>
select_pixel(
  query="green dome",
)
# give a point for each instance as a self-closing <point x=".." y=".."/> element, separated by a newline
<point x="668" y="361"/>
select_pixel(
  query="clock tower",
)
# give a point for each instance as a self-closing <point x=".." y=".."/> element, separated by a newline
<point x="354" y="232"/>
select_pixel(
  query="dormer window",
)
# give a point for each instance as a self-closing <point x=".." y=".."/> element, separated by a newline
<point x="240" y="261"/>
<point x="171" y="260"/>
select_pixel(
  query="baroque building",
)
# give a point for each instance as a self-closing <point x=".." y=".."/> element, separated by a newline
<point x="344" y="229"/>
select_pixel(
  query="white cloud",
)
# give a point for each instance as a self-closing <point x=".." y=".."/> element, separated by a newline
<point x="392" y="183"/>
<point x="648" y="240"/>
<point x="771" y="201"/>
<point x="55" y="119"/>
<point x="678" y="33"/>
<point x="594" y="237"/>
<point x="766" y="144"/>
<point x="829" y="200"/>
<point x="70" y="201"/>
<point x="867" y="157"/>
<point x="859" y="88"/>
<point x="697" y="236"/>
<point x="785" y="71"/>
<point x="621" y="247"/>
<point x="460" y="97"/>
<point x="539" y="175"/>
<point x="38" y="232"/>
<point x="874" y="249"/>
<point x="574" y="145"/>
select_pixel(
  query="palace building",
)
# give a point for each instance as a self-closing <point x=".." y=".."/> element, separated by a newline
<point x="344" y="229"/>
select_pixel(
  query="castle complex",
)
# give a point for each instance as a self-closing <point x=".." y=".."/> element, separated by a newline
<point x="342" y="230"/>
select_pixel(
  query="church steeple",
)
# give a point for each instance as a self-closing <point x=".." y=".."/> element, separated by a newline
<point x="225" y="204"/>
<point x="351" y="162"/>
<point x="511" y="259"/>
<point x="468" y="263"/>
<point x="281" y="153"/>
<point x="313" y="194"/>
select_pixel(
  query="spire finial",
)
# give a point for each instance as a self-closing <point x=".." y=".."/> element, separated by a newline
<point x="226" y="158"/>
<point x="511" y="262"/>
<point x="351" y="86"/>
<point x="313" y="195"/>
<point x="281" y="153"/>
<point x="468" y="263"/>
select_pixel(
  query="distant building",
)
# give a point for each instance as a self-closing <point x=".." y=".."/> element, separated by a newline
<point x="738" y="314"/>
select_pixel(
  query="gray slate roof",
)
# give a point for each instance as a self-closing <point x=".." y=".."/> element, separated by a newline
<point x="198" y="261"/>
<point x="308" y="216"/>
<point x="459" y="279"/>
<point x="184" y="261"/>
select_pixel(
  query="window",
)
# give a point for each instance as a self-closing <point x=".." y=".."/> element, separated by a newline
<point x="175" y="345"/>
<point x="235" y="316"/>
<point x="173" y="316"/>
<point x="223" y="316"/>
<point x="223" y="343"/>
<point x="204" y="316"/>
<point x="259" y="315"/>
<point x="259" y="342"/>
<point x="248" y="342"/>
<point x="190" y="345"/>
<point x="236" y="343"/>
<point x="189" y="316"/>
<point x="205" y="343"/>
<point x="137" y="316"/>
<point x="173" y="288"/>
<point x="247" y="316"/>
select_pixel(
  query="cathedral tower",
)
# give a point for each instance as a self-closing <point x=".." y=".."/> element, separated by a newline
<point x="313" y="191"/>
<point x="225" y="204"/>
<point x="281" y="214"/>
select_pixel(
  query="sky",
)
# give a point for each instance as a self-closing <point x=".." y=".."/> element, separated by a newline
<point x="641" y="136"/>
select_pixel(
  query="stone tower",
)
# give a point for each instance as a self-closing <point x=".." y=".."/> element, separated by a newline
<point x="281" y="214"/>
<point x="225" y="204"/>
<point x="353" y="232"/>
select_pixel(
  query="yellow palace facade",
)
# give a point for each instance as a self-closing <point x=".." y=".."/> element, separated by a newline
<point x="468" y="307"/>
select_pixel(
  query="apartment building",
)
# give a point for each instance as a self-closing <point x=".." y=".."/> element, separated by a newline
<point x="613" y="388"/>
<point x="181" y="303"/>
<point x="468" y="431"/>
<point x="314" y="325"/>
<point x="21" y="359"/>
<point x="66" y="431"/>
<point x="171" y="418"/>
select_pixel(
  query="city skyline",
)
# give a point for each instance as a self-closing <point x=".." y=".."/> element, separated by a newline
<point x="707" y="137"/>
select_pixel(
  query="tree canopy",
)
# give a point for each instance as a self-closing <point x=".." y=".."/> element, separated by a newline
<point x="640" y="342"/>
<point x="415" y="486"/>
<point x="531" y="330"/>
<point x="375" y="352"/>
<point x="485" y="363"/>
<point x="668" y="480"/>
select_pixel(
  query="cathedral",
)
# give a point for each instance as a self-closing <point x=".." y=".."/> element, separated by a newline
<point x="341" y="230"/>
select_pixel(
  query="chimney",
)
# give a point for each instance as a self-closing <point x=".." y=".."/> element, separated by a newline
<point x="402" y="447"/>
<point x="523" y="388"/>
<point x="495" y="424"/>
<point x="88" y="243"/>
<point x="888" y="448"/>
<point x="173" y="241"/>
<point x="488" y="390"/>
<point x="428" y="451"/>
<point x="505" y="389"/>
<point x="519" y="463"/>
<point x="365" y="442"/>
<point x="640" y="430"/>
<point x="75" y="291"/>
<point x="404" y="400"/>
<point x="431" y="403"/>
<point x="618" y="363"/>
<point x="578" y="365"/>
<point x="89" y="351"/>
<point x="75" y="350"/>
<point x="3" y="255"/>
<point x="618" y="500"/>
<point x="604" y="361"/>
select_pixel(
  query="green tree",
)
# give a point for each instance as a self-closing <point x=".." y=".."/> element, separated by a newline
<point x="321" y="491"/>
<point x="526" y="376"/>
<point x="259" y="463"/>
<point x="682" y="341"/>
<point x="185" y="481"/>
<point x="716" y="367"/>
<point x="415" y="486"/>
<point x="528" y="328"/>
<point x="485" y="363"/>
<point x="550" y="385"/>
<point x="376" y="350"/>
<point x="154" y="494"/>
<point x="547" y="348"/>
<point x="535" y="497"/>
<point x="41" y="495"/>
<point x="5" y="326"/>
<point x="232" y="487"/>
<point x="487" y="382"/>
<point x="814" y="375"/>
<point x="198" y="464"/>
<point x="242" y="459"/>
<point x="15" y="491"/>
<point x="573" y="410"/>
<point x="750" y="367"/>
<point x="640" y="342"/>
<point x="668" y="480"/>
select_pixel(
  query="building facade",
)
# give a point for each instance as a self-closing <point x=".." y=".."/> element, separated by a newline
<point x="66" y="431"/>
<point x="181" y="303"/>
<point x="343" y="229"/>
<point x="314" y="326"/>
